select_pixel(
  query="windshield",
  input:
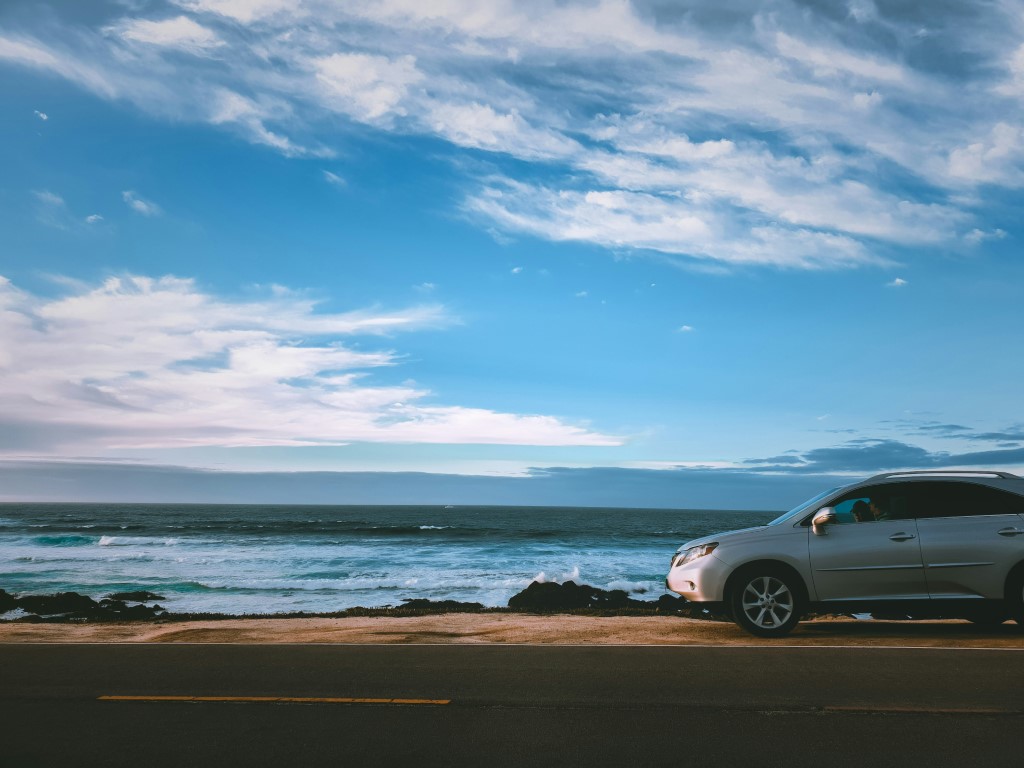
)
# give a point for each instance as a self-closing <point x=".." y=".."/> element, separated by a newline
<point x="804" y="507"/>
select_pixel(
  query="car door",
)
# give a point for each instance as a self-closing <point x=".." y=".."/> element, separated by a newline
<point x="971" y="536"/>
<point x="876" y="559"/>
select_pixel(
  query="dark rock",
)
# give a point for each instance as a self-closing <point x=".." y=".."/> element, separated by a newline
<point x="549" y="596"/>
<point x="441" y="606"/>
<point x="8" y="602"/>
<point x="672" y="603"/>
<point x="62" y="602"/>
<point x="140" y="596"/>
<point x="71" y="606"/>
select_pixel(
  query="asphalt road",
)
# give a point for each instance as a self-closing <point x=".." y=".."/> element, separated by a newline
<point x="508" y="705"/>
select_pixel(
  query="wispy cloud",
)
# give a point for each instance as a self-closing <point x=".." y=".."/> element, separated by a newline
<point x="978" y="236"/>
<point x="333" y="178"/>
<point x="49" y="198"/>
<point x="180" y="32"/>
<point x="139" y="204"/>
<point x="793" y="138"/>
<point x="897" y="282"/>
<point x="139" y="362"/>
<point x="52" y="211"/>
<point x="41" y="115"/>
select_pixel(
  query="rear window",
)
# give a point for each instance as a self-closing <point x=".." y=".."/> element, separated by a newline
<point x="948" y="499"/>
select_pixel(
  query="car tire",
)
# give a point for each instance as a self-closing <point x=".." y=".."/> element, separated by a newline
<point x="993" y="619"/>
<point x="766" y="601"/>
<point x="1015" y="598"/>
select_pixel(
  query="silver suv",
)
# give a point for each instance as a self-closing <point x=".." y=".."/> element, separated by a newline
<point x="910" y="544"/>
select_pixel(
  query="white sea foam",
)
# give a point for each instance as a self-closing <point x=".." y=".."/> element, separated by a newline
<point x="135" y="541"/>
<point x="633" y="587"/>
<point x="573" y="575"/>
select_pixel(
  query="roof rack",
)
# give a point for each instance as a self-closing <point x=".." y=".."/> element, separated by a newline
<point x="954" y="472"/>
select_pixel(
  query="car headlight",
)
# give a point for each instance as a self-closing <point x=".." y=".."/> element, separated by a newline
<point x="681" y="558"/>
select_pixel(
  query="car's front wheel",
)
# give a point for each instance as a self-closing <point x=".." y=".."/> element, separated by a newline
<point x="766" y="601"/>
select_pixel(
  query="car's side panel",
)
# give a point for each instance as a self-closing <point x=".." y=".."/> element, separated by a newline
<point x="969" y="557"/>
<point x="878" y="560"/>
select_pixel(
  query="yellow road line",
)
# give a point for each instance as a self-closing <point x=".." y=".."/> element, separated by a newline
<point x="277" y="699"/>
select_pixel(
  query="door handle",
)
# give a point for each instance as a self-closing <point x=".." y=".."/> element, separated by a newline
<point x="901" y="536"/>
<point x="1009" y="531"/>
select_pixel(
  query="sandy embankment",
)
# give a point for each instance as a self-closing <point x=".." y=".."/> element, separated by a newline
<point x="518" y="628"/>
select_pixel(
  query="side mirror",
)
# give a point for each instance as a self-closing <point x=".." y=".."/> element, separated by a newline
<point x="823" y="517"/>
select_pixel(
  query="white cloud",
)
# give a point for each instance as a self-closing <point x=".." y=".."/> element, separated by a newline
<point x="863" y="10"/>
<point x="49" y="198"/>
<point x="140" y="205"/>
<point x="670" y="225"/>
<point x="31" y="53"/>
<point x="994" y="159"/>
<point x="425" y="287"/>
<point x="797" y="190"/>
<point x="333" y="178"/>
<point x="898" y="282"/>
<point x="480" y="126"/>
<point x="516" y="270"/>
<point x="792" y="122"/>
<point x="1013" y="85"/>
<point x="612" y="218"/>
<point x="94" y="218"/>
<point x="41" y="115"/>
<point x="828" y="61"/>
<point x="978" y="236"/>
<point x="230" y="108"/>
<point x="52" y="211"/>
<point x="581" y="294"/>
<point x="366" y="87"/>
<point x="180" y="32"/>
<point x="245" y="11"/>
<point x="866" y="101"/>
<point x="685" y="329"/>
<point x="154" y="363"/>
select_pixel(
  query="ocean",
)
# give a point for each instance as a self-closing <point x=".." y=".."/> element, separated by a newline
<point x="243" y="559"/>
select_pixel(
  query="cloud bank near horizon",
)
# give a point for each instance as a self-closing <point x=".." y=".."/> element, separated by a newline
<point x="772" y="483"/>
<point x="139" y="362"/>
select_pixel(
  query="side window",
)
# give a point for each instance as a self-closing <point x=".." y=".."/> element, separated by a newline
<point x="954" y="499"/>
<point x="878" y="502"/>
<point x="852" y="509"/>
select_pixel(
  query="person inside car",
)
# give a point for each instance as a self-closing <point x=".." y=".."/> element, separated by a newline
<point x="862" y="512"/>
<point x="878" y="511"/>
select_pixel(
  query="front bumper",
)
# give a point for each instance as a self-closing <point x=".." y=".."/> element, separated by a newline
<point x="701" y="580"/>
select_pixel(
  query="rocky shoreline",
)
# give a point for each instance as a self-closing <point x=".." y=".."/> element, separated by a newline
<point x="537" y="598"/>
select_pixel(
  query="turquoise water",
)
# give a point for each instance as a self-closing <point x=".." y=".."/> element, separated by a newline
<point x="265" y="559"/>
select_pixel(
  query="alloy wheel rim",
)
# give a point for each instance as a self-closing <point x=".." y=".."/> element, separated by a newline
<point x="767" y="602"/>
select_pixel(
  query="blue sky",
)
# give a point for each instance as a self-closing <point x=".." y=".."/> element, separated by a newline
<point x="714" y="245"/>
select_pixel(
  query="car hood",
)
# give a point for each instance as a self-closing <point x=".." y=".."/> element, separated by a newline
<point x="720" y="537"/>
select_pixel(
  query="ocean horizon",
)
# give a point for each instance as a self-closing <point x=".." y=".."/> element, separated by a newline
<point x="261" y="559"/>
